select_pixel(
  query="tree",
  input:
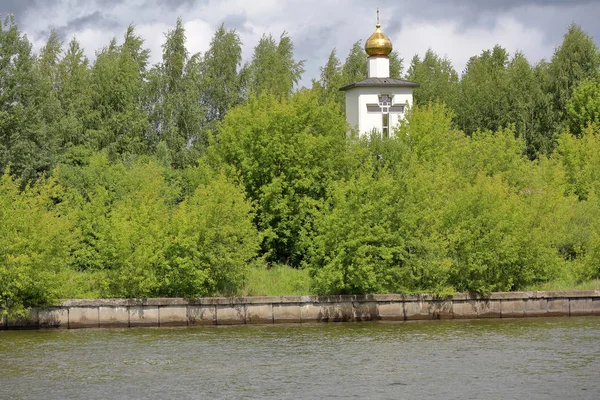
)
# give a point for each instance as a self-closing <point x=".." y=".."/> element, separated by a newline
<point x="285" y="152"/>
<point x="377" y="229"/>
<point x="174" y="57"/>
<point x="575" y="60"/>
<point x="49" y="107"/>
<point x="49" y="59"/>
<point x="47" y="67"/>
<point x="584" y="106"/>
<point x="123" y="216"/>
<point x="139" y="223"/>
<point x="145" y="238"/>
<point x="545" y="117"/>
<point x="22" y="139"/>
<point x="483" y="98"/>
<point x="580" y="158"/>
<point x="358" y="247"/>
<point x="396" y="65"/>
<point x="437" y="79"/>
<point x="331" y="80"/>
<point x="35" y="239"/>
<point x="486" y="216"/>
<point x="174" y="100"/>
<point x="440" y="211"/>
<point x="273" y="68"/>
<point x="117" y="121"/>
<point x="212" y="242"/>
<point x="98" y="185"/>
<point x="222" y="82"/>
<point x="355" y="65"/>
<point x="528" y="110"/>
<point x="75" y="95"/>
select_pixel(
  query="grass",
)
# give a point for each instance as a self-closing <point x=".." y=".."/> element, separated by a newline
<point x="565" y="284"/>
<point x="278" y="280"/>
<point x="568" y="278"/>
<point x="282" y="280"/>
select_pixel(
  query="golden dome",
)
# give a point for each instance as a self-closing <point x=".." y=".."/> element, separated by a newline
<point x="378" y="44"/>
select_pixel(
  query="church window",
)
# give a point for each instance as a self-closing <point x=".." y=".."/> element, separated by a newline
<point x="385" y="124"/>
<point x="385" y="103"/>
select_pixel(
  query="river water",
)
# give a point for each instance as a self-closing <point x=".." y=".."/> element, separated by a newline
<point x="540" y="358"/>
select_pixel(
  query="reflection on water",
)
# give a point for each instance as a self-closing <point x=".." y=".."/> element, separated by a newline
<point x="520" y="358"/>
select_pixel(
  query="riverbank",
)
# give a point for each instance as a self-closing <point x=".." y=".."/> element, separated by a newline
<point x="120" y="313"/>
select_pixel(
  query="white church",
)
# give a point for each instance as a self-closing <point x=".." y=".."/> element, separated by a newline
<point x="379" y="102"/>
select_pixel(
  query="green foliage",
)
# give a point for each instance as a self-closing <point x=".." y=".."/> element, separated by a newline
<point x="584" y="106"/>
<point x="75" y="95"/>
<point x="331" y="81"/>
<point x="357" y="248"/>
<point x="355" y="66"/>
<point x="589" y="247"/>
<point x="429" y="136"/>
<point x="273" y="69"/>
<point x="574" y="61"/>
<point x="22" y="140"/>
<point x="528" y="106"/>
<point x="137" y="236"/>
<point x="580" y="158"/>
<point x="495" y="241"/>
<point x="437" y="79"/>
<point x="483" y="100"/>
<point x="285" y="152"/>
<point x="377" y="232"/>
<point x="212" y="242"/>
<point x="116" y="122"/>
<point x="222" y="81"/>
<point x="35" y="239"/>
<point x="496" y="91"/>
<point x="142" y="232"/>
<point x="545" y="117"/>
<point x="173" y="98"/>
<point x="396" y="64"/>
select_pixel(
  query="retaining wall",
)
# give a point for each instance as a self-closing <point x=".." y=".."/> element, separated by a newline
<point x="268" y="310"/>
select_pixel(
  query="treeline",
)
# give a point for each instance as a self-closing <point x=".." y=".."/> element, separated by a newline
<point x="57" y="107"/>
<point x="125" y="179"/>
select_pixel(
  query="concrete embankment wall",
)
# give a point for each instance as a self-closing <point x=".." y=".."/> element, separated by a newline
<point x="268" y="310"/>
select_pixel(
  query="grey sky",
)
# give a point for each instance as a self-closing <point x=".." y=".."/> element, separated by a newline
<point x="456" y="28"/>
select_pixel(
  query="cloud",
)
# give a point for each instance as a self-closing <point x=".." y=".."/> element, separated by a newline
<point x="16" y="7"/>
<point x="459" y="44"/>
<point x="199" y="34"/>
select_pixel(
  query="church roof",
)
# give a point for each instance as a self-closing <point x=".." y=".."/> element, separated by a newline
<point x="380" y="82"/>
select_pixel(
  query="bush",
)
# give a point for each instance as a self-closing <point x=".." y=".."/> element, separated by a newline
<point x="35" y="240"/>
<point x="212" y="242"/>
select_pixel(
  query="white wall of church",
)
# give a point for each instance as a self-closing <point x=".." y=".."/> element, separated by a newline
<point x="352" y="109"/>
<point x="379" y="67"/>
<point x="356" y="106"/>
